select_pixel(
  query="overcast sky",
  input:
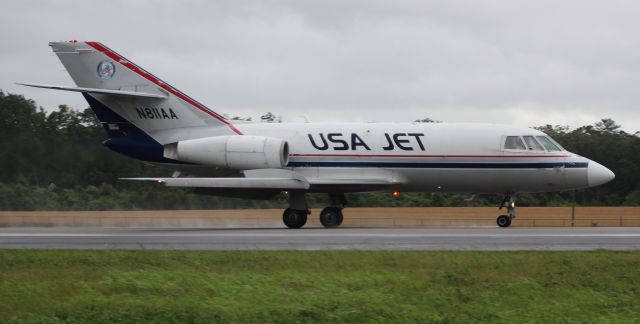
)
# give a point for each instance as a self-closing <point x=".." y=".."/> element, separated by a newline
<point x="519" y="62"/>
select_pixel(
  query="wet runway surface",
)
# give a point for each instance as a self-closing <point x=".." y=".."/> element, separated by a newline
<point x="481" y="239"/>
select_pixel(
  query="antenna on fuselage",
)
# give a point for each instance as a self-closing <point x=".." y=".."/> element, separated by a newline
<point x="304" y="117"/>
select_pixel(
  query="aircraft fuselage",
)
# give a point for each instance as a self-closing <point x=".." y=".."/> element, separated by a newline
<point x="421" y="156"/>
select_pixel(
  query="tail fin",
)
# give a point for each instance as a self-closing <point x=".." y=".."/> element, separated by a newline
<point x="121" y="92"/>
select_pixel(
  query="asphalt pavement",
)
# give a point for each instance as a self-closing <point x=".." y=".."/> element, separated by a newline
<point x="476" y="238"/>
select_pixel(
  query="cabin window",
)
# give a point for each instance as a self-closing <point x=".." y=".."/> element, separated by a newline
<point x="548" y="144"/>
<point x="514" y="143"/>
<point x="532" y="144"/>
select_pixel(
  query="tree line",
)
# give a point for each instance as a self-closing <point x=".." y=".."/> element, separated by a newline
<point x="55" y="161"/>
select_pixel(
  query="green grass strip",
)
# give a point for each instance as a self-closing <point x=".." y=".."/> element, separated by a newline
<point x="51" y="286"/>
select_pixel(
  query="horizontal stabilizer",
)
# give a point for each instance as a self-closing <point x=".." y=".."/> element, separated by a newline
<point x="100" y="91"/>
<point x="249" y="183"/>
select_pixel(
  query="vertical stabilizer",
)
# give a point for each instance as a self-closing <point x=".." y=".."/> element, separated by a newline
<point x="95" y="66"/>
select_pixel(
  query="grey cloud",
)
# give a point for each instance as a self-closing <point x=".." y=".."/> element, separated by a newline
<point x="524" y="62"/>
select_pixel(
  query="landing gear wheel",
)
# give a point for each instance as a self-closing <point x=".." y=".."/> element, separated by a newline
<point x="294" y="218"/>
<point x="503" y="221"/>
<point x="331" y="217"/>
<point x="510" y="205"/>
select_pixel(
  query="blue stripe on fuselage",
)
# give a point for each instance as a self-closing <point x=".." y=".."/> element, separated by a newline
<point x="441" y="165"/>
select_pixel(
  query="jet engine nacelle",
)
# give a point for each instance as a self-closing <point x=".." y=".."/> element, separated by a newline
<point x="232" y="152"/>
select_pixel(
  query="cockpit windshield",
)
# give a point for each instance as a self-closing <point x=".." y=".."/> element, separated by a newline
<point x="531" y="143"/>
<point x="548" y="144"/>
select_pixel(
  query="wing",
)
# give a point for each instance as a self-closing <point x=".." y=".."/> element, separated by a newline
<point x="366" y="184"/>
<point x="273" y="181"/>
<point x="248" y="183"/>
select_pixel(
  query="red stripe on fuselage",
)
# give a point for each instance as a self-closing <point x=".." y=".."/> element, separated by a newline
<point x="429" y="156"/>
<point x="140" y="71"/>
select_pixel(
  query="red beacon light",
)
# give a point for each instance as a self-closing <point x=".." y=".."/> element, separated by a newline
<point x="73" y="41"/>
<point x="395" y="194"/>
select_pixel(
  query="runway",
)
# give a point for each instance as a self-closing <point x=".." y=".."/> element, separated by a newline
<point x="480" y="239"/>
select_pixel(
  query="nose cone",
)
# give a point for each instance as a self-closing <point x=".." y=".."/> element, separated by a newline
<point x="598" y="174"/>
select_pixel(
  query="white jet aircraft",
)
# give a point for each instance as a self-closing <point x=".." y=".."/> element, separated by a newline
<point x="150" y="120"/>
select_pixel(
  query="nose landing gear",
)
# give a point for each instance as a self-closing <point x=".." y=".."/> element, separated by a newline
<point x="510" y="205"/>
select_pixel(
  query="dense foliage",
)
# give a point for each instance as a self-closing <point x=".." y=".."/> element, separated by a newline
<point x="54" y="161"/>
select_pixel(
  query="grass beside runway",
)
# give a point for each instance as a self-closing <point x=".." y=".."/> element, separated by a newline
<point x="345" y="286"/>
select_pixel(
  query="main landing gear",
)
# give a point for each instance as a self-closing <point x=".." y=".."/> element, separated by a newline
<point x="332" y="216"/>
<point x="510" y="205"/>
<point x="296" y="215"/>
<point x="295" y="218"/>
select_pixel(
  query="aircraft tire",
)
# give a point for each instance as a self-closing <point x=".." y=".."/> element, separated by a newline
<point x="331" y="217"/>
<point x="503" y="221"/>
<point x="294" y="218"/>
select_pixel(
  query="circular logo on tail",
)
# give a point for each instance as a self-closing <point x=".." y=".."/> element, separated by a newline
<point x="106" y="69"/>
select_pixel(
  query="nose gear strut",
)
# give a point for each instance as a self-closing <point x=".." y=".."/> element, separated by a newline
<point x="510" y="205"/>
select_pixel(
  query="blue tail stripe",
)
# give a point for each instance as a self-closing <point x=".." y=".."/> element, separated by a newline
<point x="125" y="137"/>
